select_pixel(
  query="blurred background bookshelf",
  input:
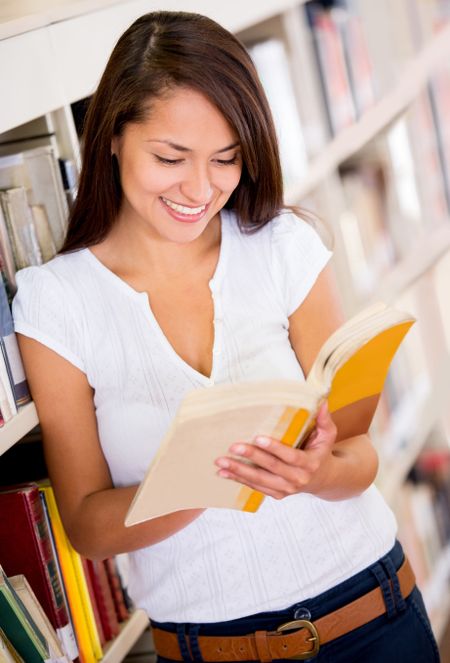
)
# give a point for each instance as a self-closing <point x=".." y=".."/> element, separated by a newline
<point x="360" y="92"/>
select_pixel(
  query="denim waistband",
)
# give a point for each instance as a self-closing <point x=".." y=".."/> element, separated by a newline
<point x="380" y="573"/>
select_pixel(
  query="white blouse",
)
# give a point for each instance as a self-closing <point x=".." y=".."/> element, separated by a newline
<point x="225" y="564"/>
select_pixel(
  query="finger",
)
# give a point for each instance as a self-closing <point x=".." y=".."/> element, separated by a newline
<point x="324" y="434"/>
<point x="324" y="422"/>
<point x="269" y="472"/>
<point x="276" y="450"/>
<point x="285" y="480"/>
<point x="276" y="494"/>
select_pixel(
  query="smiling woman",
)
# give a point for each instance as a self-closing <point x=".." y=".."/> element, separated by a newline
<point x="171" y="169"/>
<point x="182" y="268"/>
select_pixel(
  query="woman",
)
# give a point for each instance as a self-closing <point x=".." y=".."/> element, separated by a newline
<point x="181" y="268"/>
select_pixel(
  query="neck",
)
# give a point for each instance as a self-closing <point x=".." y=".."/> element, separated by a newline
<point x="131" y="254"/>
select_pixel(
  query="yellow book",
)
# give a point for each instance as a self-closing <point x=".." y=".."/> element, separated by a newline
<point x="89" y="653"/>
<point x="351" y="365"/>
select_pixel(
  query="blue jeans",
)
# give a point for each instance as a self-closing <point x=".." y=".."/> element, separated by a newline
<point x="402" y="635"/>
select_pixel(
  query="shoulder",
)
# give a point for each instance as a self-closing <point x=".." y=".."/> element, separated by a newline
<point x="282" y="228"/>
<point x="62" y="268"/>
<point x="57" y="281"/>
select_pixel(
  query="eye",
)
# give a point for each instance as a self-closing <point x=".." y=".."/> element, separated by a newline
<point x="168" y="162"/>
<point x="228" y="162"/>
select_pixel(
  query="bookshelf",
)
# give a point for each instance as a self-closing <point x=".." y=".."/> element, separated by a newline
<point x="71" y="40"/>
<point x="18" y="426"/>
<point x="131" y="630"/>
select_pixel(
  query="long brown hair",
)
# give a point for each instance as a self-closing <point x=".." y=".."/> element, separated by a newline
<point x="161" y="51"/>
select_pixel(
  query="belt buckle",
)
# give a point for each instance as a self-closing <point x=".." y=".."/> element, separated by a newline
<point x="296" y="625"/>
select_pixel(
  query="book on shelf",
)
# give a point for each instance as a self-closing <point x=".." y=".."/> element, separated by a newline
<point x="440" y="102"/>
<point x="8" y="653"/>
<point x="117" y="590"/>
<point x="69" y="566"/>
<point x="25" y="548"/>
<point x="87" y="586"/>
<point x="8" y="266"/>
<point x="47" y="188"/>
<point x="11" y="352"/>
<point x="350" y="366"/>
<point x="429" y="160"/>
<point x="20" y="628"/>
<point x="103" y="597"/>
<point x="43" y="232"/>
<point x="8" y="406"/>
<point x="356" y="54"/>
<point x="95" y="615"/>
<point x="20" y="226"/>
<point x="38" y="172"/>
<point x="364" y="225"/>
<point x="403" y="187"/>
<point x="24" y="591"/>
<point x="272" y="63"/>
<point x="330" y="56"/>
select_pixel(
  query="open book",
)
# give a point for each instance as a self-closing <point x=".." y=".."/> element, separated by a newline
<point x="351" y="365"/>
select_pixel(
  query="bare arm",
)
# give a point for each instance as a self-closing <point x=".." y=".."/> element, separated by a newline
<point x="338" y="460"/>
<point x="92" y="510"/>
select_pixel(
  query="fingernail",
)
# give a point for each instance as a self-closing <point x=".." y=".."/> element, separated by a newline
<point x="262" y="441"/>
<point x="223" y="474"/>
<point x="238" y="449"/>
<point x="222" y="462"/>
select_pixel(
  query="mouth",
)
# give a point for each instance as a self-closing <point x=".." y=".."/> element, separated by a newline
<point x="183" y="210"/>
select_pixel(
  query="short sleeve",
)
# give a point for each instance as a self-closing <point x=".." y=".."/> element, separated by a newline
<point x="298" y="257"/>
<point x="43" y="310"/>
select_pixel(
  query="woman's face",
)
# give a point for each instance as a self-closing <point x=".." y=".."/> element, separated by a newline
<point x="178" y="168"/>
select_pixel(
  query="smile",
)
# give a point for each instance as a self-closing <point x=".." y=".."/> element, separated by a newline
<point x="181" y="209"/>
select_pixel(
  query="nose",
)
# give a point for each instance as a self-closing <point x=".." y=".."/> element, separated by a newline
<point x="197" y="186"/>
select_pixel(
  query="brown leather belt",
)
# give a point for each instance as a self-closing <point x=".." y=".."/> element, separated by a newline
<point x="299" y="639"/>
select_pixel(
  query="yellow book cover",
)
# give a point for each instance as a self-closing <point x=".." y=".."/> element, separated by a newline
<point x="351" y="365"/>
<point x="89" y="653"/>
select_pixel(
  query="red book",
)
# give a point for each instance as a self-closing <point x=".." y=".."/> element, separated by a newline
<point x="104" y="598"/>
<point x="116" y="589"/>
<point x="25" y="547"/>
<point x="93" y="597"/>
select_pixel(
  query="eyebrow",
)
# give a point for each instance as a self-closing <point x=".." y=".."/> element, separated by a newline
<point x="181" y="148"/>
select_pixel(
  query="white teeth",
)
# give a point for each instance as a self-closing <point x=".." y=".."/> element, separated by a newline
<point x="182" y="209"/>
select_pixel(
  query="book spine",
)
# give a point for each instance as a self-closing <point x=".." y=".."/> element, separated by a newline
<point x="68" y="572"/>
<point x="66" y="635"/>
<point x="61" y="618"/>
<point x="86" y="604"/>
<point x="94" y="602"/>
<point x="116" y="589"/>
<point x="7" y="402"/>
<point x="27" y="549"/>
<point x="9" y="652"/>
<point x="6" y="251"/>
<point x="11" y="350"/>
<point x="16" y="634"/>
<point x="104" y="598"/>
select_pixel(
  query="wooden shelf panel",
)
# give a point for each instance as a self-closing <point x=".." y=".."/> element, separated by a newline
<point x="416" y="75"/>
<point x="18" y="426"/>
<point x="131" y="630"/>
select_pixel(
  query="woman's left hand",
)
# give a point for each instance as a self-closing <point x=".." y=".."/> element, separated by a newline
<point x="278" y="470"/>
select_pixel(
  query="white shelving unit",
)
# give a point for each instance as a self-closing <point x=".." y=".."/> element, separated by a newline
<point x="18" y="426"/>
<point x="416" y="76"/>
<point x="414" y="423"/>
<point x="52" y="53"/>
<point x="131" y="630"/>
